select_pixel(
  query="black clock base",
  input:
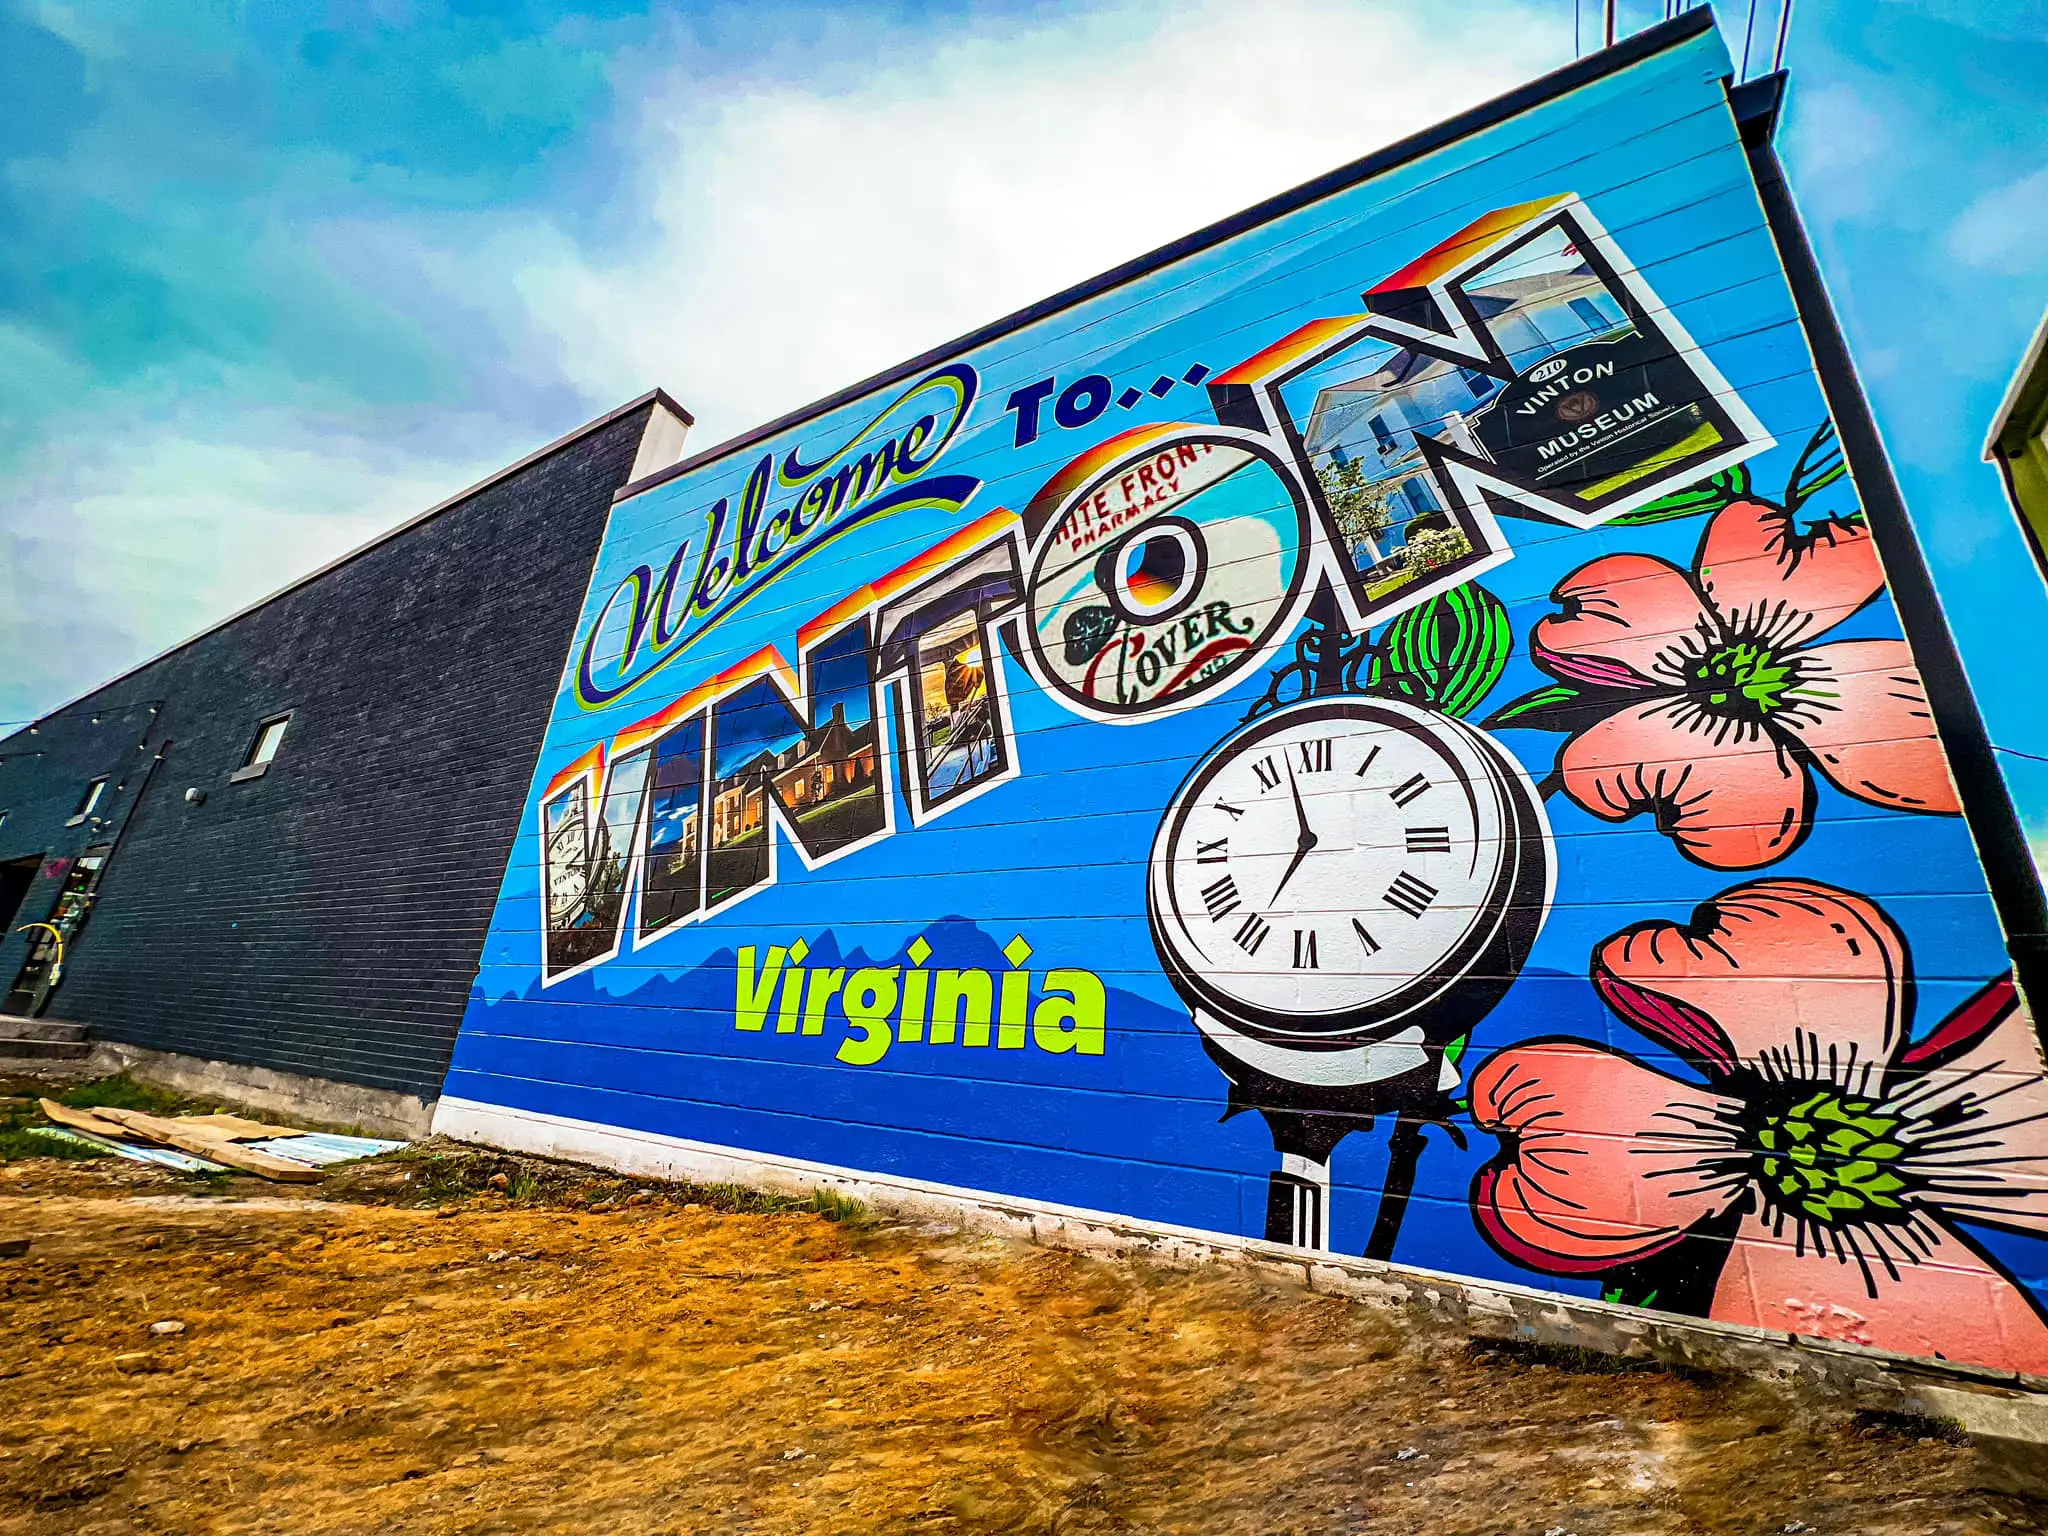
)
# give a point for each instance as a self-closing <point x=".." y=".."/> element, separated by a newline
<point x="1298" y="1192"/>
<point x="1296" y="1209"/>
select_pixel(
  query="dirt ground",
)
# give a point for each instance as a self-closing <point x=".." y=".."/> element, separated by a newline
<point x="452" y="1343"/>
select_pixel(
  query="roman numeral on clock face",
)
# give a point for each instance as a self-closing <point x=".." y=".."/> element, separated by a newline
<point x="1408" y="793"/>
<point x="1410" y="895"/>
<point x="1268" y="775"/>
<point x="1314" y="755"/>
<point x="1234" y="812"/>
<point x="1218" y="852"/>
<point x="1429" y="839"/>
<point x="1251" y="934"/>
<point x="1305" y="950"/>
<point x="1221" y="898"/>
<point x="1374" y="753"/>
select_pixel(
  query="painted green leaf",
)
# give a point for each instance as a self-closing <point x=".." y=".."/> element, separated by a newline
<point x="1708" y="495"/>
<point x="1447" y="652"/>
<point x="1620" y="1297"/>
<point x="1820" y="465"/>
<point x="1542" y="710"/>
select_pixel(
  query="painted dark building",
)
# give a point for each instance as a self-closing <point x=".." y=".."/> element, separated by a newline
<point x="278" y="843"/>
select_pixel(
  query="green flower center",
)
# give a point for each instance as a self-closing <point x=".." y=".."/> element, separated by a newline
<point x="1744" y="678"/>
<point x="1832" y="1158"/>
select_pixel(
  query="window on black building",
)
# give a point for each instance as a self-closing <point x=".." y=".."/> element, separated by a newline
<point x="87" y="801"/>
<point x="269" y="737"/>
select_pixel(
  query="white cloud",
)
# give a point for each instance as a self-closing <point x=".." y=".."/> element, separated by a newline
<point x="798" y="240"/>
<point x="1843" y="150"/>
<point x="1897" y="187"/>
<point x="121" y="542"/>
<point x="2005" y="230"/>
<point x="788" y="239"/>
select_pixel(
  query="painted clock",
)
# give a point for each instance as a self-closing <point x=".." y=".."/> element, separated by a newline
<point x="1339" y="890"/>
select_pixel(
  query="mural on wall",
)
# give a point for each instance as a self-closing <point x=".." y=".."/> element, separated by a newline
<point x="1386" y="733"/>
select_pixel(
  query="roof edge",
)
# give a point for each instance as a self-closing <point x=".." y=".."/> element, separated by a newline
<point x="655" y="396"/>
<point x="1544" y="88"/>
<point x="2029" y="382"/>
<point x="1757" y="104"/>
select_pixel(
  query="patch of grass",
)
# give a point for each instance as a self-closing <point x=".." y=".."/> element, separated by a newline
<point x="1880" y="1423"/>
<point x="17" y="1141"/>
<point x="443" y="1173"/>
<point x="837" y="1207"/>
<point x="1572" y="1359"/>
<point x="16" y="1116"/>
<point x="748" y="1202"/>
<point x="120" y="1092"/>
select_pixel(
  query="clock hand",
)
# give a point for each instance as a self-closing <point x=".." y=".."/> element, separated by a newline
<point x="1304" y="841"/>
<point x="1306" y="837"/>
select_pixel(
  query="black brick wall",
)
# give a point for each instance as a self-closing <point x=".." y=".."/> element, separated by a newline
<point x="326" y="917"/>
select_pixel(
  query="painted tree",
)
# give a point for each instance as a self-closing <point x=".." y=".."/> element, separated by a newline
<point x="1361" y="506"/>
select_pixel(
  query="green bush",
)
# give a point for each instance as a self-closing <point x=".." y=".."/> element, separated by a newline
<point x="837" y="1207"/>
<point x="1434" y="548"/>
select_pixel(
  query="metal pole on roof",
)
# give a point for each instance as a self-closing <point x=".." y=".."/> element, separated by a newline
<point x="1748" y="26"/>
<point x="1610" y="24"/>
<point x="1784" y="26"/>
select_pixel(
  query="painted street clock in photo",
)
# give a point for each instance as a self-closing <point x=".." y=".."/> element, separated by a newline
<point x="1341" y="889"/>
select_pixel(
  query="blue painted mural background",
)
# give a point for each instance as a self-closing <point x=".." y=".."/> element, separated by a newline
<point x="1058" y="852"/>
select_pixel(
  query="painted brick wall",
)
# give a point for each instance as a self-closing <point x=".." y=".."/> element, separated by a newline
<point x="324" y="917"/>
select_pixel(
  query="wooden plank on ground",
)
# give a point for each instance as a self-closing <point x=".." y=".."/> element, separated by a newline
<point x="83" y="1120"/>
<point x="172" y="1134"/>
<point x="233" y="1127"/>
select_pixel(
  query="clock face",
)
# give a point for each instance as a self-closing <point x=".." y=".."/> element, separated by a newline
<point x="1338" y="864"/>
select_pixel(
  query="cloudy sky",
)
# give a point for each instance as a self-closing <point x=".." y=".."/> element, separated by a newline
<point x="274" y="277"/>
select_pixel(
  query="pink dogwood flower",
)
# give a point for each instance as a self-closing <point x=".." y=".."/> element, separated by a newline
<point x="1722" y="703"/>
<point x="1842" y="1153"/>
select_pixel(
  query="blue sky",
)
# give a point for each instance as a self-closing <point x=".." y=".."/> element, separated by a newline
<point x="274" y="277"/>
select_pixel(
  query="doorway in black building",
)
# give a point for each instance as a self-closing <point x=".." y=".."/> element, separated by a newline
<point x="44" y="967"/>
<point x="16" y="876"/>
